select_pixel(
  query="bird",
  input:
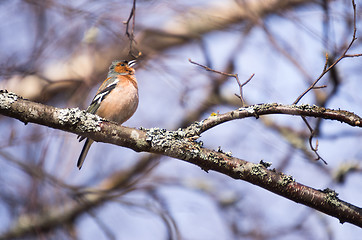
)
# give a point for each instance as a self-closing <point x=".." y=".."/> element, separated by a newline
<point x="116" y="99"/>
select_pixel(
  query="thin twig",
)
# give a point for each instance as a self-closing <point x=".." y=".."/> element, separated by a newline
<point x="241" y="88"/>
<point x="314" y="149"/>
<point x="353" y="55"/>
<point x="129" y="34"/>
<point x="344" y="54"/>
<point x="228" y="75"/>
<point x="319" y="87"/>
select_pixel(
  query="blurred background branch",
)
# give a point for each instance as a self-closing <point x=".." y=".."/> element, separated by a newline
<point x="58" y="52"/>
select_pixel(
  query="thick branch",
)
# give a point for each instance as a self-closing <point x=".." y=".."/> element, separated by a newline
<point x="179" y="144"/>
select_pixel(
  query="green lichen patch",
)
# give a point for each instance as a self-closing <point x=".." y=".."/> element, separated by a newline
<point x="258" y="169"/>
<point x="331" y="197"/>
<point x="285" y="179"/>
<point x="72" y="116"/>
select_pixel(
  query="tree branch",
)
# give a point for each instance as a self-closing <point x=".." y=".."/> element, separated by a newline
<point x="180" y="144"/>
<point x="275" y="108"/>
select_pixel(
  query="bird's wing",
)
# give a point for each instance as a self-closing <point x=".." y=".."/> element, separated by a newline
<point x="103" y="91"/>
<point x="108" y="85"/>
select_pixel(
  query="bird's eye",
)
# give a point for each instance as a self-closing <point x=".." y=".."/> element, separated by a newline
<point x="122" y="64"/>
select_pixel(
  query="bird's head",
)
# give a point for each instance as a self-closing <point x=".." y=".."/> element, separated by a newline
<point x="122" y="67"/>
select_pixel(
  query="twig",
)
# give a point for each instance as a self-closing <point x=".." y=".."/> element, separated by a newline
<point x="228" y="75"/>
<point x="344" y="54"/>
<point x="353" y="55"/>
<point x="319" y="87"/>
<point x="241" y="88"/>
<point x="129" y="34"/>
<point x="314" y="149"/>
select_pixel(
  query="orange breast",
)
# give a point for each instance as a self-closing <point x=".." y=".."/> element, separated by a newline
<point x="120" y="104"/>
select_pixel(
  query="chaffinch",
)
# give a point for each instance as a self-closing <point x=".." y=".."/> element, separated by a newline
<point x="116" y="99"/>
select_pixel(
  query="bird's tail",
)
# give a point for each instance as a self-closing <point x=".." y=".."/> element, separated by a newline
<point x="84" y="152"/>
